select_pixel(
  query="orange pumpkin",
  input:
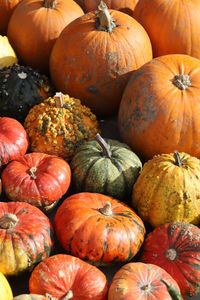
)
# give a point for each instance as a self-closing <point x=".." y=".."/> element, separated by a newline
<point x="34" y="27"/>
<point x="159" y="111"/>
<point x="6" y="9"/>
<point x="94" y="56"/>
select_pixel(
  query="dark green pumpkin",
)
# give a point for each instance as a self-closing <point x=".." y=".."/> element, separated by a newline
<point x="20" y="89"/>
<point x="105" y="166"/>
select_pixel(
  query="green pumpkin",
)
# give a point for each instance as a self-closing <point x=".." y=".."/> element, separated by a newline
<point x="105" y="166"/>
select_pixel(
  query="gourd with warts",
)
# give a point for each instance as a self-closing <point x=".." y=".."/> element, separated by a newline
<point x="59" y="125"/>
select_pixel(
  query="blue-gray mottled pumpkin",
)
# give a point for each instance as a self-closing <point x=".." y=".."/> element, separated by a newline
<point x="105" y="166"/>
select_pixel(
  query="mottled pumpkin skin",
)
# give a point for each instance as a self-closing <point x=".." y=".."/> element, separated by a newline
<point x="94" y="171"/>
<point x="20" y="89"/>
<point x="155" y="116"/>
<point x="175" y="247"/>
<point x="84" y="231"/>
<point x="61" y="274"/>
<point x="165" y="192"/>
<point x="30" y="297"/>
<point x="27" y="241"/>
<point x="13" y="140"/>
<point x="37" y="178"/>
<point x="59" y="131"/>
<point x="98" y="63"/>
<point x="5" y="288"/>
<point x="140" y="281"/>
<point x="172" y="26"/>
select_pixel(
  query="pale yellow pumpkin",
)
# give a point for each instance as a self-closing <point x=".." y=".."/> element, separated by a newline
<point x="30" y="297"/>
<point x="7" y="54"/>
<point x="5" y="289"/>
<point x="168" y="189"/>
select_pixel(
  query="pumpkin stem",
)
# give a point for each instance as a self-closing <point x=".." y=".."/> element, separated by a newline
<point x="104" y="20"/>
<point x="178" y="161"/>
<point x="59" y="100"/>
<point x="49" y="3"/>
<point x="105" y="147"/>
<point x="173" y="291"/>
<point x="69" y="295"/>
<point x="106" y="210"/>
<point x="182" y="81"/>
<point x="170" y="254"/>
<point x="146" y="287"/>
<point x="8" y="221"/>
<point x="32" y="172"/>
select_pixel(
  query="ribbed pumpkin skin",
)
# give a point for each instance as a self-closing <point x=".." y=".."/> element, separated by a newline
<point x="61" y="274"/>
<point x="130" y="281"/>
<point x="100" y="78"/>
<point x="172" y="26"/>
<point x="28" y="241"/>
<point x="13" y="140"/>
<point x="84" y="231"/>
<point x="165" y="192"/>
<point x="30" y="297"/>
<point x="94" y="171"/>
<point x="6" y="9"/>
<point x="183" y="265"/>
<point x="155" y="116"/>
<point x="41" y="187"/>
<point x="5" y="288"/>
<point x="45" y="25"/>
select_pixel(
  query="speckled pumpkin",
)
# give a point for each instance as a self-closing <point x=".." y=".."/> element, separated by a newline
<point x="21" y="88"/>
<point x="168" y="189"/>
<point x="59" y="125"/>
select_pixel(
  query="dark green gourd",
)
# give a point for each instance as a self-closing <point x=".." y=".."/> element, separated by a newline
<point x="105" y="166"/>
<point x="20" y="89"/>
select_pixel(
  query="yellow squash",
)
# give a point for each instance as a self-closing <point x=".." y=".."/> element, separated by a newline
<point x="5" y="289"/>
<point x="7" y="54"/>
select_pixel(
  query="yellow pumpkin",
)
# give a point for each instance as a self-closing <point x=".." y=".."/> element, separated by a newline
<point x="59" y="125"/>
<point x="5" y="289"/>
<point x="168" y="189"/>
<point x="7" y="54"/>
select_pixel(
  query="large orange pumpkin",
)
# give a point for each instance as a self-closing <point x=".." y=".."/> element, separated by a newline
<point x="94" y="56"/>
<point x="160" y="108"/>
<point x="6" y="9"/>
<point x="173" y="26"/>
<point x="35" y="25"/>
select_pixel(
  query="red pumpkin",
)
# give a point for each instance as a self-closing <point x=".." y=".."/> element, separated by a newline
<point x="175" y="247"/>
<point x="34" y="27"/>
<point x="98" y="228"/>
<point x="13" y="140"/>
<point x="66" y="277"/>
<point x="141" y="281"/>
<point x="25" y="237"/>
<point x="6" y="9"/>
<point x="37" y="178"/>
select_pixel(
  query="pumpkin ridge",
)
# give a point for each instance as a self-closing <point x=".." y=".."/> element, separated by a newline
<point x="105" y="244"/>
<point x="184" y="275"/>
<point x="86" y="174"/>
<point x="130" y="254"/>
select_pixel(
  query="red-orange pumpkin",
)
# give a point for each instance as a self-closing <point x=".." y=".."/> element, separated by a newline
<point x="63" y="276"/>
<point x="37" y="178"/>
<point x="34" y="27"/>
<point x="141" y="281"/>
<point x="159" y="111"/>
<point x="93" y="57"/>
<point x="98" y="228"/>
<point x="6" y="9"/>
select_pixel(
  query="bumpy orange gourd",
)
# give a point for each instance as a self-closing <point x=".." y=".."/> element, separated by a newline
<point x="5" y="288"/>
<point x="167" y="189"/>
<point x="59" y="125"/>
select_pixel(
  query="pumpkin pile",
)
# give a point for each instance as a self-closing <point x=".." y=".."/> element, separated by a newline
<point x="99" y="149"/>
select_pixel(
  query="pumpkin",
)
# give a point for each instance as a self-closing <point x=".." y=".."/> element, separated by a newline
<point x="175" y="247"/>
<point x="159" y="111"/>
<point x="105" y="166"/>
<point x="126" y="6"/>
<point x="5" y="288"/>
<point x="7" y="54"/>
<point x="30" y="297"/>
<point x="93" y="57"/>
<point x="140" y="281"/>
<point x="13" y="140"/>
<point x="98" y="229"/>
<point x="167" y="189"/>
<point x="25" y="237"/>
<point x="6" y="9"/>
<point x="173" y="26"/>
<point x="44" y="19"/>
<point x="67" y="277"/>
<point x="37" y="178"/>
<point x="59" y="125"/>
<point x="21" y="88"/>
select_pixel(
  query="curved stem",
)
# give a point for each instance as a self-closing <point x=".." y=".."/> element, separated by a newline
<point x="182" y="81"/>
<point x="8" y="221"/>
<point x="173" y="291"/>
<point x="178" y="161"/>
<point x="49" y="3"/>
<point x="105" y="147"/>
<point x="105" y="21"/>
<point x="106" y="210"/>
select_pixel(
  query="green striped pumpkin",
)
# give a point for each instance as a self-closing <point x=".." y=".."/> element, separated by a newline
<point x="105" y="166"/>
